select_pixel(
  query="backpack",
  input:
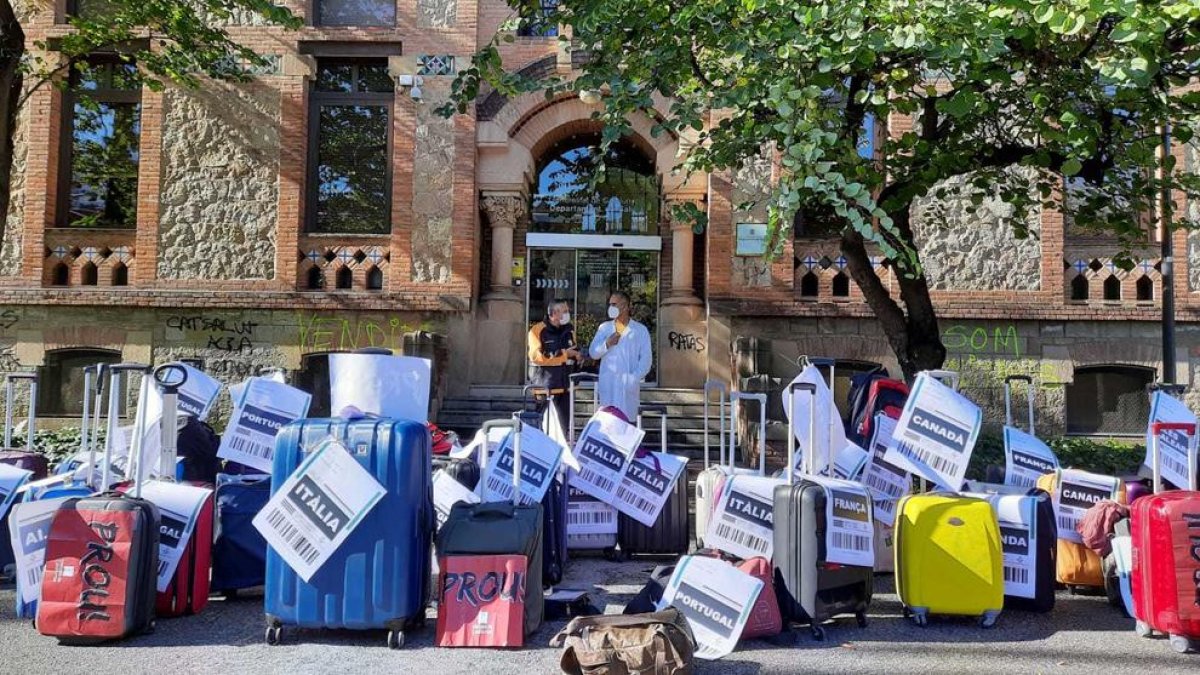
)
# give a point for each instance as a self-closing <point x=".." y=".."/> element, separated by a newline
<point x="657" y="643"/>
<point x="198" y="445"/>
<point x="860" y="389"/>
<point x="442" y="441"/>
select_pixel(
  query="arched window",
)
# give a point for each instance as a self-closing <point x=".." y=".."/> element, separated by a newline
<point x="1145" y="289"/>
<point x="1106" y="400"/>
<point x="120" y="275"/>
<point x="88" y="275"/>
<point x="316" y="279"/>
<point x="345" y="278"/>
<point x="60" y="380"/>
<point x="1112" y="288"/>
<point x="1079" y="288"/>
<point x="313" y="377"/>
<point x="841" y="285"/>
<point x="61" y="275"/>
<point x="374" y="279"/>
<point x="571" y="196"/>
<point x="809" y="285"/>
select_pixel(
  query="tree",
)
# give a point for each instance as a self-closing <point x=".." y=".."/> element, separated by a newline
<point x="1007" y="97"/>
<point x="176" y="41"/>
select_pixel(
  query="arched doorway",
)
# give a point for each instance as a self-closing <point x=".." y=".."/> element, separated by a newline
<point x="592" y="231"/>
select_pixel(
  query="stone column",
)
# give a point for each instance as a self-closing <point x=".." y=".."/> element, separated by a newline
<point x="682" y="291"/>
<point x="682" y="331"/>
<point x="504" y="211"/>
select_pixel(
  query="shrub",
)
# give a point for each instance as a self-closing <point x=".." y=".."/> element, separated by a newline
<point x="1099" y="455"/>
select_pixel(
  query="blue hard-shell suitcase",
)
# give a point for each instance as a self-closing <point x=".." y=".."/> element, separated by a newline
<point x="379" y="577"/>
<point x="239" y="552"/>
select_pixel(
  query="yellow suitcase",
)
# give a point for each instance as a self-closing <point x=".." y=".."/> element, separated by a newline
<point x="948" y="557"/>
<point x="1077" y="567"/>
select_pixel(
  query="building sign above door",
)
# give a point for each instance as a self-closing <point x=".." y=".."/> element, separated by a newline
<point x="751" y="239"/>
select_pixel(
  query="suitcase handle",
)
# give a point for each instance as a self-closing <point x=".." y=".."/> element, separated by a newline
<point x="1008" y="416"/>
<point x="736" y="399"/>
<point x="515" y="425"/>
<point x="578" y="381"/>
<point x="811" y="390"/>
<point x="1156" y="430"/>
<point x="10" y="381"/>
<point x="116" y="376"/>
<point x="719" y="387"/>
<point x="948" y="377"/>
<point x="169" y="377"/>
<point x="661" y="412"/>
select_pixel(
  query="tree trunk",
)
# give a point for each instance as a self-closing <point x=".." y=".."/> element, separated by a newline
<point x="12" y="46"/>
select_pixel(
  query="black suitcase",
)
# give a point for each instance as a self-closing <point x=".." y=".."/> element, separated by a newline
<point x="461" y="469"/>
<point x="554" y="504"/>
<point x="810" y="590"/>
<point x="1047" y="546"/>
<point x="671" y="534"/>
<point x="499" y="528"/>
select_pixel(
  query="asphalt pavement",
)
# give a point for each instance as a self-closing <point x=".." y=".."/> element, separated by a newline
<point x="1081" y="635"/>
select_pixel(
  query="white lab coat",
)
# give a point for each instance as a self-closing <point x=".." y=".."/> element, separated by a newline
<point x="623" y="367"/>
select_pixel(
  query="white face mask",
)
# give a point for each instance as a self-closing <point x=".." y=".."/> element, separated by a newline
<point x="613" y="312"/>
<point x="564" y="319"/>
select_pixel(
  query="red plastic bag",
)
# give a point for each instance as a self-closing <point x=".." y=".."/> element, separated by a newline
<point x="482" y="601"/>
<point x="765" y="617"/>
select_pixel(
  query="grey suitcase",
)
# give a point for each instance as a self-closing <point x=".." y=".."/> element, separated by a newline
<point x="501" y="528"/>
<point x="671" y="532"/>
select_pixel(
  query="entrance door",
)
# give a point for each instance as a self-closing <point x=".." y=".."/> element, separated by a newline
<point x="585" y="277"/>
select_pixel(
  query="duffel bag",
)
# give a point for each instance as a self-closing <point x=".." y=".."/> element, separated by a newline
<point x="658" y="643"/>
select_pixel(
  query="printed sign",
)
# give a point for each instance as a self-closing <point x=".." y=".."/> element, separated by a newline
<point x="603" y="452"/>
<point x="936" y="433"/>
<point x="1077" y="492"/>
<point x="849" y="532"/>
<point x="828" y="432"/>
<point x="11" y="480"/>
<point x="378" y="384"/>
<point x="647" y="485"/>
<point x="178" y="507"/>
<point x="1017" y="517"/>
<point x="1176" y="450"/>
<point x="317" y="507"/>
<point x="716" y="598"/>
<point x="446" y="493"/>
<point x="29" y="529"/>
<point x="848" y="462"/>
<point x="540" y="456"/>
<point x="743" y="522"/>
<point x="587" y="515"/>
<point x="482" y="601"/>
<point x="886" y="482"/>
<point x="1026" y="458"/>
<point x="264" y="407"/>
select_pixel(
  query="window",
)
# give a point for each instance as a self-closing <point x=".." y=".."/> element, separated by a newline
<point x="316" y="279"/>
<point x="573" y="197"/>
<point x="89" y="275"/>
<point x="538" y="25"/>
<point x="350" y="142"/>
<point x="809" y="285"/>
<point x="1079" y="288"/>
<point x="101" y="156"/>
<point x="374" y="279"/>
<point x="313" y="377"/>
<point x="1109" y="400"/>
<point x="841" y="285"/>
<point x="61" y="275"/>
<point x="1112" y="288"/>
<point x="356" y="13"/>
<point x="1145" y="289"/>
<point x="120" y="275"/>
<point x="60" y="381"/>
<point x="345" y="278"/>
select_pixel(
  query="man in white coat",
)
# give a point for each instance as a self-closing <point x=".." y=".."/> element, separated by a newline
<point x="622" y="346"/>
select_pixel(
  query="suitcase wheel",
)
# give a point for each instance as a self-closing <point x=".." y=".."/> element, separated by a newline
<point x="274" y="635"/>
<point x="395" y="639"/>
<point x="1181" y="644"/>
<point x="988" y="619"/>
<point x="1142" y="629"/>
<point x="920" y="617"/>
<point x="818" y="632"/>
<point x="615" y="554"/>
<point x="861" y="618"/>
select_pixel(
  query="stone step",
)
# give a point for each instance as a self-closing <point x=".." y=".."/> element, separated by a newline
<point x="649" y="394"/>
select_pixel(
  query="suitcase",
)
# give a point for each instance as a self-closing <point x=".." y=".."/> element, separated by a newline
<point x="554" y="504"/>
<point x="90" y="591"/>
<point x="1165" y="531"/>
<point x="1118" y="569"/>
<point x="461" y="469"/>
<point x="188" y="590"/>
<point x="1036" y="505"/>
<point x="25" y="458"/>
<point x="706" y="480"/>
<point x="671" y="534"/>
<point x="948" y="557"/>
<point x="500" y="528"/>
<point x="809" y="589"/>
<point x="586" y="541"/>
<point x="380" y="576"/>
<point x="1077" y="567"/>
<point x="239" y="552"/>
<point x="480" y="601"/>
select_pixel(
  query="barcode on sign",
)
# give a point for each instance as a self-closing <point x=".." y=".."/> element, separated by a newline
<point x="1016" y="575"/>
<point x="889" y="490"/>
<point x="629" y="497"/>
<point x="590" y="476"/>
<point x="934" y="460"/>
<point x="498" y="485"/>
<point x="33" y="577"/>
<point x="590" y="517"/>
<point x="851" y="542"/>
<point x="1067" y="523"/>
<point x="249" y="446"/>
<point x="162" y="567"/>
<point x="1171" y="464"/>
<point x="292" y="537"/>
<point x="742" y="538"/>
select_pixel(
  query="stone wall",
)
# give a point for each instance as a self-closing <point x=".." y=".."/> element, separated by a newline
<point x="751" y="191"/>
<point x="14" y="223"/>
<point x="969" y="251"/>
<point x="433" y="189"/>
<point x="220" y="184"/>
<point x="437" y="13"/>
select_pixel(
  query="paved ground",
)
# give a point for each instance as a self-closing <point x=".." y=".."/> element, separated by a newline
<point x="1082" y="635"/>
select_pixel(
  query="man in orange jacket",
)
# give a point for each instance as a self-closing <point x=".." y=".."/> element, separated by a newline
<point x="552" y="354"/>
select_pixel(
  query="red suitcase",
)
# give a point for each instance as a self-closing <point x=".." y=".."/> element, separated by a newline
<point x="102" y="555"/>
<point x="1166" y="559"/>
<point x="481" y="601"/>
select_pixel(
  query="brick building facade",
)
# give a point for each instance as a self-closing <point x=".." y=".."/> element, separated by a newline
<point x="231" y="257"/>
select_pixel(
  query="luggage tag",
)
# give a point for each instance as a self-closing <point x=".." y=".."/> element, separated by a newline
<point x="716" y="598"/>
<point x="743" y="518"/>
<point x="29" y="529"/>
<point x="264" y="407"/>
<point x="1176" y="449"/>
<point x="1026" y="458"/>
<point x="604" y="451"/>
<point x="936" y="433"/>
<point x="446" y="493"/>
<point x="849" y="533"/>
<point x="1017" y="517"/>
<point x="886" y="482"/>
<point x="649" y="480"/>
<point x="179" y="507"/>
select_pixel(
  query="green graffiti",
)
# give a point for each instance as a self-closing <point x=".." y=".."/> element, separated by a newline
<point x="1000" y="340"/>
<point x="330" y="333"/>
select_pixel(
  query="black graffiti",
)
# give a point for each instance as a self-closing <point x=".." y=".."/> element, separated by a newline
<point x="8" y="319"/>
<point x="230" y="343"/>
<point x="211" y="325"/>
<point x="685" y="341"/>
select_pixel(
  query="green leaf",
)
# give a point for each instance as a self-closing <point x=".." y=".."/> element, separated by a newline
<point x="1071" y="167"/>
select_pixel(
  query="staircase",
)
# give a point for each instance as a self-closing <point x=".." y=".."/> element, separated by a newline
<point x="685" y="417"/>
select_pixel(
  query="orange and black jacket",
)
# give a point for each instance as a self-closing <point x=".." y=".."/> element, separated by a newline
<point x="548" y="360"/>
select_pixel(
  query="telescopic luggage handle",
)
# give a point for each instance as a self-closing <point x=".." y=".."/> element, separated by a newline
<point x="736" y="399"/>
<point x="811" y="390"/>
<point x="169" y="378"/>
<point x="710" y="385"/>
<point x="577" y="381"/>
<point x="1008" y="416"/>
<point x="659" y="411"/>
<point x="9" y="394"/>
<point x="116" y="373"/>
<point x="1156" y="430"/>
<point x="803" y="361"/>
<point x="515" y="426"/>
<point x="948" y="377"/>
